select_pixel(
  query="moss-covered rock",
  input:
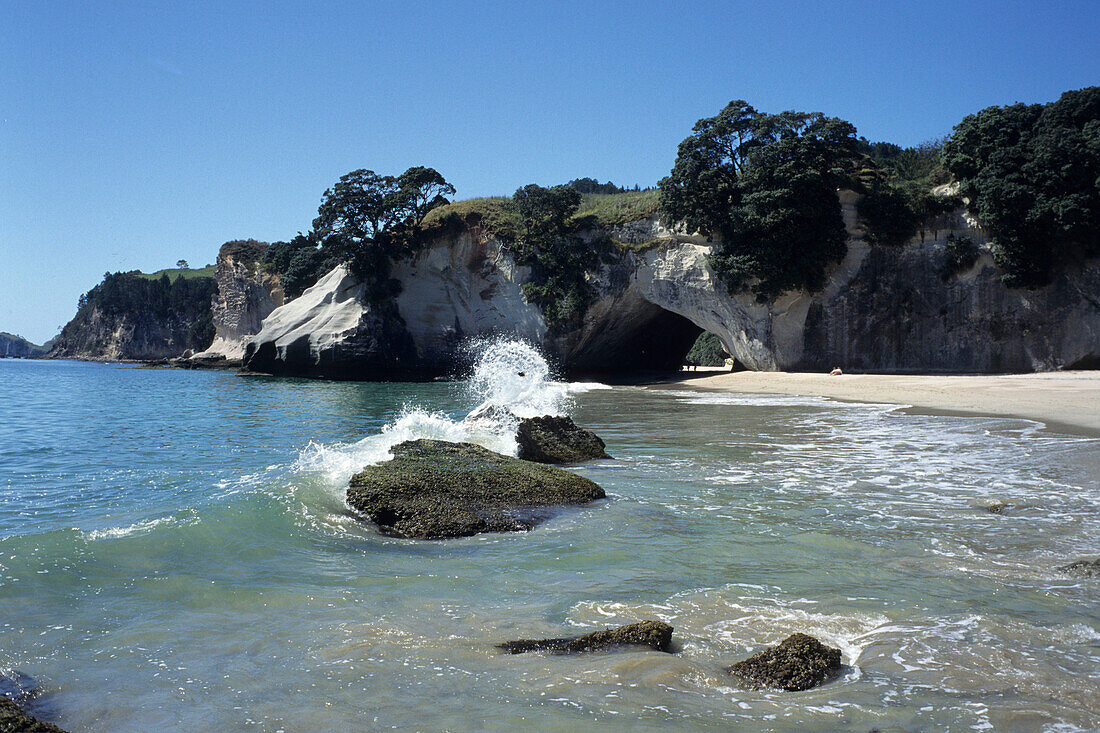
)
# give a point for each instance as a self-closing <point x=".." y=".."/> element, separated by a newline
<point x="434" y="490"/>
<point x="14" y="720"/>
<point x="653" y="634"/>
<point x="553" y="439"/>
<point x="1082" y="569"/>
<point x="798" y="663"/>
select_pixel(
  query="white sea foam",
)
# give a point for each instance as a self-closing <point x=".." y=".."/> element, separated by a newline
<point x="111" y="533"/>
<point x="510" y="380"/>
<point x="513" y="375"/>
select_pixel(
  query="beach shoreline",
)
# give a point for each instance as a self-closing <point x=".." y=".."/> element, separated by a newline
<point x="1066" y="401"/>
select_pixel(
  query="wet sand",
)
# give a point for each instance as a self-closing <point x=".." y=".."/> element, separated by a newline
<point x="1066" y="401"/>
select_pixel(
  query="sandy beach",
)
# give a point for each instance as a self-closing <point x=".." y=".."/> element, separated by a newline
<point x="1066" y="401"/>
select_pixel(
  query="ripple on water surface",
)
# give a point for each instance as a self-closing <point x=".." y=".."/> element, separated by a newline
<point x="181" y="539"/>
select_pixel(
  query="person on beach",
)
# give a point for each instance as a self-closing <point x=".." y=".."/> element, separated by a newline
<point x="836" y="372"/>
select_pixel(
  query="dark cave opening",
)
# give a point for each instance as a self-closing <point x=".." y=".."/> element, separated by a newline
<point x="648" y="340"/>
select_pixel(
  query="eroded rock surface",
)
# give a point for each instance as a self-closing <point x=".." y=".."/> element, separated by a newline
<point x="434" y="490"/>
<point x="798" y="663"/>
<point x="557" y="439"/>
<point x="246" y="296"/>
<point x="653" y="634"/>
<point x="882" y="308"/>
<point x="332" y="331"/>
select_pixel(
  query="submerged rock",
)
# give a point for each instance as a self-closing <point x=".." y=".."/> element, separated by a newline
<point x="1082" y="568"/>
<point x="17" y="686"/>
<point x="998" y="507"/>
<point x="553" y="439"/>
<point x="798" y="663"/>
<point x="434" y="490"/>
<point x="653" y="634"/>
<point x="14" y="720"/>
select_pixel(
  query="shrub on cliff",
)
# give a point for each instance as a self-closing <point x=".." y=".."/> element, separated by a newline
<point x="243" y="251"/>
<point x="1031" y="173"/>
<point x="766" y="185"/>
<point x="960" y="254"/>
<point x="558" y="257"/>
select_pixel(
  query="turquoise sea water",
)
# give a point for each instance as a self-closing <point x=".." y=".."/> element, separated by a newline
<point x="175" y="554"/>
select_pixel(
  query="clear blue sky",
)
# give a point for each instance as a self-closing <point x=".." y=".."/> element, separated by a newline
<point x="134" y="134"/>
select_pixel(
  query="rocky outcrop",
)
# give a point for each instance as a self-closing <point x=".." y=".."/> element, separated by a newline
<point x="247" y="293"/>
<point x="883" y="308"/>
<point x="557" y="439"/>
<point x="798" y="663"/>
<point x="18" y="692"/>
<point x="331" y="331"/>
<point x="17" y="347"/>
<point x="1082" y="569"/>
<point x="14" y="720"/>
<point x="130" y="317"/>
<point x="653" y="634"/>
<point x="435" y="490"/>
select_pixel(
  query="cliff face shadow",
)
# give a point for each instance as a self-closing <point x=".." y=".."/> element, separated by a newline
<point x="651" y="341"/>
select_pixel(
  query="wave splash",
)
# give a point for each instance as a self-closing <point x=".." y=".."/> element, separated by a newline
<point x="511" y="380"/>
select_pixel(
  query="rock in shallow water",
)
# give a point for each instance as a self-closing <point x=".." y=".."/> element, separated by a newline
<point x="798" y="663"/>
<point x="1082" y="568"/>
<point x="654" y="634"/>
<point x="552" y="439"/>
<point x="434" y="490"/>
<point x="14" y="720"/>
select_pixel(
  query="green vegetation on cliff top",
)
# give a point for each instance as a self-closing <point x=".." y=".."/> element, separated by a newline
<point x="610" y="209"/>
<point x="175" y="273"/>
<point x="498" y="215"/>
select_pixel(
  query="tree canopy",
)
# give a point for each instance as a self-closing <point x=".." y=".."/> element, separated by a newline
<point x="185" y="301"/>
<point x="368" y="220"/>
<point x="558" y="257"/>
<point x="766" y="185"/>
<point x="1032" y="173"/>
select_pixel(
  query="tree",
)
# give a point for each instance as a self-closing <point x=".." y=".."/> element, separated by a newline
<point x="367" y="220"/>
<point x="421" y="190"/>
<point x="766" y="185"/>
<point x="545" y="210"/>
<point x="706" y="351"/>
<point x="1031" y="173"/>
<point x="558" y="257"/>
<point x="182" y="264"/>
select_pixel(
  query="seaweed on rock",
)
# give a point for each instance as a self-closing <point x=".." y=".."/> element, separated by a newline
<point x="433" y="489"/>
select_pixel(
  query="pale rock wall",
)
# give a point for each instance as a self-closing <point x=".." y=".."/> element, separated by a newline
<point x="329" y="331"/>
<point x="882" y="309"/>
<point x="463" y="286"/>
<point x="246" y="296"/>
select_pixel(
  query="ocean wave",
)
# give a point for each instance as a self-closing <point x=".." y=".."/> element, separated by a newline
<point x="510" y="380"/>
<point x="143" y="527"/>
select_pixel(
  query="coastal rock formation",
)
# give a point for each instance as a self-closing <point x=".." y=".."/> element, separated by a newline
<point x="883" y="308"/>
<point x="1082" y="569"/>
<point x="18" y="687"/>
<point x="131" y="316"/>
<point x="552" y="439"/>
<point x="17" y="347"/>
<point x="434" y="490"/>
<point x="653" y="634"/>
<point x="247" y="293"/>
<point x="14" y="720"/>
<point x="798" y="663"/>
<point x="330" y="331"/>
